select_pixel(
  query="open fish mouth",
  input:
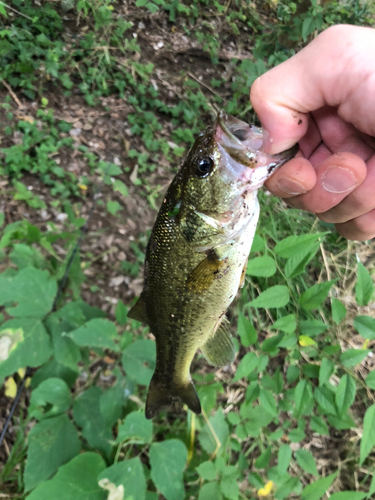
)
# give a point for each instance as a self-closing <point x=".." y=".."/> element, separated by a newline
<point x="244" y="144"/>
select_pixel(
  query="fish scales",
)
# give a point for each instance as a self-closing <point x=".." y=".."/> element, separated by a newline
<point x="197" y="254"/>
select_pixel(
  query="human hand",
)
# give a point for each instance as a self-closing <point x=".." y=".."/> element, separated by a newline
<point x="324" y="98"/>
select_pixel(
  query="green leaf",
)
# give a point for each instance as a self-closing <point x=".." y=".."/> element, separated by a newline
<point x="286" y="324"/>
<point x="135" y="427"/>
<point x="207" y="394"/>
<point x="261" y="266"/>
<point x="318" y="425"/>
<point x="210" y="491"/>
<point x="293" y="245"/>
<point x="207" y="470"/>
<point x="338" y="311"/>
<point x="120" y="187"/>
<point x="370" y="380"/>
<point x="353" y="357"/>
<point x="296" y="264"/>
<point x="365" y="326"/>
<point x="247" y="364"/>
<point x="113" y="399"/>
<point x="364" y="287"/>
<point x="326" y="369"/>
<point x="17" y="289"/>
<point x="24" y="342"/>
<point x="138" y="360"/>
<point x="113" y="207"/>
<point x="296" y="435"/>
<point x="345" y="394"/>
<point x="229" y="487"/>
<point x="308" y="27"/>
<point x="306" y="461"/>
<point x="341" y="423"/>
<point x="325" y="398"/>
<point x="348" y="495"/>
<point x="264" y="459"/>
<point x="283" y="458"/>
<point x="86" y="412"/>
<point x="129" y="474"/>
<point x="274" y="297"/>
<point x="317" y="489"/>
<point x="258" y="418"/>
<point x="168" y="460"/>
<point x="246" y="331"/>
<point x="121" y="313"/>
<point x="302" y="397"/>
<point x="219" y="425"/>
<point x="315" y="295"/>
<point x="267" y="401"/>
<point x="312" y="327"/>
<point x="52" y="442"/>
<point x="258" y="244"/>
<point x="50" y="398"/>
<point x="76" y="480"/>
<point x="368" y="435"/>
<point x="96" y="333"/>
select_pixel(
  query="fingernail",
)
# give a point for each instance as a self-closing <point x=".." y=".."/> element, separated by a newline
<point x="289" y="186"/>
<point x="338" y="180"/>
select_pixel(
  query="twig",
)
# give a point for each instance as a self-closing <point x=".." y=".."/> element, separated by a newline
<point x="15" y="98"/>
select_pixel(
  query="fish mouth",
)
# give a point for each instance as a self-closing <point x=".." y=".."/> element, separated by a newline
<point x="244" y="143"/>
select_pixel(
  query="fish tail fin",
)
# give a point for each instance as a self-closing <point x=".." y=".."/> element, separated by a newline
<point x="161" y="395"/>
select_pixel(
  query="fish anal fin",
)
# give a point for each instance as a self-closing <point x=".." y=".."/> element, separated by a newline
<point x="219" y="349"/>
<point x="161" y="395"/>
<point x="138" y="311"/>
<point x="202" y="277"/>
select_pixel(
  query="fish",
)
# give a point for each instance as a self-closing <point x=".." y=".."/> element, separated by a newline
<point x="197" y="254"/>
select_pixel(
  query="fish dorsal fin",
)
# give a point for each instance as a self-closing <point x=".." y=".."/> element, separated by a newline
<point x="138" y="311"/>
<point x="202" y="277"/>
<point x="219" y="349"/>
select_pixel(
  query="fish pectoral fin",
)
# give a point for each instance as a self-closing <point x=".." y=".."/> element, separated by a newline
<point x="138" y="311"/>
<point x="202" y="277"/>
<point x="200" y="229"/>
<point x="161" y="395"/>
<point x="219" y="349"/>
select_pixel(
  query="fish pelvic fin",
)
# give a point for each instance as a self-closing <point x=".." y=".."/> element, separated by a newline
<point x="219" y="349"/>
<point x="138" y="311"/>
<point x="161" y="395"/>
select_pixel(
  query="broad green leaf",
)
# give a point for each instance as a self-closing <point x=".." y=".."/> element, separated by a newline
<point x="327" y="368"/>
<point x="364" y="287"/>
<point x="168" y="460"/>
<point x="283" y="492"/>
<point x="257" y="419"/>
<point x="261" y="266"/>
<point x="296" y="264"/>
<point x="270" y="345"/>
<point x="293" y="245"/>
<point x="207" y="440"/>
<point x="113" y="399"/>
<point x="113" y="207"/>
<point x="50" y="398"/>
<point x="32" y="289"/>
<point x="23" y="342"/>
<point x="302" y="397"/>
<point x="283" y="458"/>
<point x="305" y="341"/>
<point x="365" y="326"/>
<point x="207" y="394"/>
<point x="258" y="244"/>
<point x="326" y="400"/>
<point x="246" y="331"/>
<point x="353" y="357"/>
<point x="52" y="442"/>
<point x="345" y="394"/>
<point x="26" y="256"/>
<point x="342" y="422"/>
<point x="54" y="369"/>
<point x="370" y="380"/>
<point x="264" y="459"/>
<point x="135" y="427"/>
<point x="368" y="435"/>
<point x="207" y="470"/>
<point x="296" y="435"/>
<point x="129" y="474"/>
<point x="318" y="425"/>
<point x="312" y="327"/>
<point x="286" y="324"/>
<point x="314" y="296"/>
<point x="308" y="27"/>
<point x="247" y="364"/>
<point x="138" y="360"/>
<point x="267" y="401"/>
<point x="86" y="412"/>
<point x="348" y="495"/>
<point x="210" y="491"/>
<point x="120" y="187"/>
<point x="274" y="297"/>
<point x="121" y="313"/>
<point x="98" y="332"/>
<point x="229" y="487"/>
<point x="317" y="489"/>
<point x="306" y="461"/>
<point x="76" y="480"/>
<point x="338" y="311"/>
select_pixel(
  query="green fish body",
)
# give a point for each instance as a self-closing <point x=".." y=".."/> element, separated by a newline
<point x="197" y="255"/>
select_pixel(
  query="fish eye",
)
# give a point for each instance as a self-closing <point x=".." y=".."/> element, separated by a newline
<point x="205" y="166"/>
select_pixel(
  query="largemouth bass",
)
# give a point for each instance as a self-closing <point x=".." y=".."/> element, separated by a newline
<point x="197" y="255"/>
